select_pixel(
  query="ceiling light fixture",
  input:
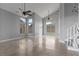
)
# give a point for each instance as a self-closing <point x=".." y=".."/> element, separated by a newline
<point x="48" y="15"/>
<point x="47" y="23"/>
<point x="75" y="8"/>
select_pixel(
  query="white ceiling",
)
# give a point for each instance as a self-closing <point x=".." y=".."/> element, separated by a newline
<point x="40" y="8"/>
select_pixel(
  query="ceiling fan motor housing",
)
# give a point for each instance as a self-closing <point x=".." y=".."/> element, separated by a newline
<point x="48" y="18"/>
<point x="24" y="12"/>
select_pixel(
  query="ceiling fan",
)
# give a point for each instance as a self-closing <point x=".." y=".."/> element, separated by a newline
<point x="23" y="12"/>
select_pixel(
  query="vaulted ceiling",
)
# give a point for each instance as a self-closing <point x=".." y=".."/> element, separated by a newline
<point x="40" y="8"/>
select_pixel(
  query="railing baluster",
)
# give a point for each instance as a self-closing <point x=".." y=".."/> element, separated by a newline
<point x="73" y="36"/>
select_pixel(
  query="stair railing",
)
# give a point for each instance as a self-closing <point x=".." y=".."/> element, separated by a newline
<point x="73" y="36"/>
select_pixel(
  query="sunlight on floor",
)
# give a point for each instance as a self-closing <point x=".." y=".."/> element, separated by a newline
<point x="50" y="42"/>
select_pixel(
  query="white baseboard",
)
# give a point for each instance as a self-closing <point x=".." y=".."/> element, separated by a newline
<point x="5" y="40"/>
<point x="73" y="49"/>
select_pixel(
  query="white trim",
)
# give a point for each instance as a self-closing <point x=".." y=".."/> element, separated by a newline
<point x="73" y="49"/>
<point x="10" y="39"/>
<point x="5" y="40"/>
<point x="59" y="23"/>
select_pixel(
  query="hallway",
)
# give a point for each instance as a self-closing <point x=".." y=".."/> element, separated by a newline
<point x="39" y="29"/>
<point x="39" y="46"/>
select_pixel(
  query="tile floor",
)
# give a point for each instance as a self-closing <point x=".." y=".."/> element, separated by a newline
<point x="35" y="46"/>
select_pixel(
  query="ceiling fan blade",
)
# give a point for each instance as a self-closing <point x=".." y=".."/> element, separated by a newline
<point x="29" y="14"/>
<point x="19" y="13"/>
<point x="20" y="9"/>
<point x="28" y="11"/>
